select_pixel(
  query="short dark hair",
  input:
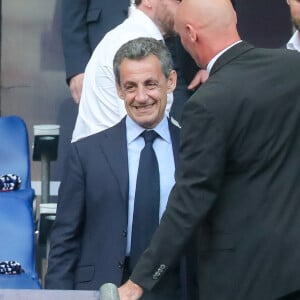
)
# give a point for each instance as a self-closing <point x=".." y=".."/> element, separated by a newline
<point x="140" y="48"/>
<point x="137" y="2"/>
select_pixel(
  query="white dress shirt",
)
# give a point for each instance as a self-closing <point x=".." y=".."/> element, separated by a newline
<point x="100" y="107"/>
<point x="294" y="42"/>
<point x="163" y="148"/>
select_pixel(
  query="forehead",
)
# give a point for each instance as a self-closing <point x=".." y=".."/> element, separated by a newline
<point x="140" y="68"/>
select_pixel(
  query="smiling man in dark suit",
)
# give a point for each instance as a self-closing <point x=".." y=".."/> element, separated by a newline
<point x="237" y="181"/>
<point x="92" y="233"/>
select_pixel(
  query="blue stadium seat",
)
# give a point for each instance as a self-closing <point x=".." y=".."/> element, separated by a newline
<point x="16" y="212"/>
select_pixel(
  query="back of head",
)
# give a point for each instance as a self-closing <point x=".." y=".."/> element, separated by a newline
<point x="206" y="27"/>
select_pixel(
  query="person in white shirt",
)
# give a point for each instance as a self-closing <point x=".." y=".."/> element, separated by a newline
<point x="100" y="107"/>
<point x="294" y="42"/>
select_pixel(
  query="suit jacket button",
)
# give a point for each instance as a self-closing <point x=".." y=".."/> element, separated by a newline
<point x="124" y="232"/>
<point x="120" y="265"/>
<point x="155" y="276"/>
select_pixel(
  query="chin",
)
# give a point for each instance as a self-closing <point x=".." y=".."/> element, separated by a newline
<point x="146" y="123"/>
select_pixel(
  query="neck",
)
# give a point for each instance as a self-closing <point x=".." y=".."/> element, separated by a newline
<point x="219" y="47"/>
<point x="146" y="10"/>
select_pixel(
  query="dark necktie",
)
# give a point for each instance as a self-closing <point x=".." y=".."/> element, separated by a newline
<point x="147" y="198"/>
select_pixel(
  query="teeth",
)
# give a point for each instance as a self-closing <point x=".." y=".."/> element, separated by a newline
<point x="144" y="106"/>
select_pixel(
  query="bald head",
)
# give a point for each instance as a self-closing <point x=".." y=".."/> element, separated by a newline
<point x="206" y="27"/>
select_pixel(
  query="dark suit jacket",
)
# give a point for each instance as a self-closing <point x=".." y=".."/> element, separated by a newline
<point x="88" y="241"/>
<point x="237" y="181"/>
<point x="84" y="23"/>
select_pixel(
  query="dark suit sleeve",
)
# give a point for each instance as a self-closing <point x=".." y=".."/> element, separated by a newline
<point x="198" y="178"/>
<point x="66" y="233"/>
<point x="76" y="48"/>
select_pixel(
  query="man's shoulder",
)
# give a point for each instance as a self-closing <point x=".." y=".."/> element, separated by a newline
<point x="111" y="42"/>
<point x="129" y="29"/>
<point x="107" y="4"/>
<point x="113" y="132"/>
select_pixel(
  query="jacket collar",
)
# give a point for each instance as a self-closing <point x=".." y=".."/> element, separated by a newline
<point x="230" y="55"/>
<point x="174" y="132"/>
<point x="114" y="148"/>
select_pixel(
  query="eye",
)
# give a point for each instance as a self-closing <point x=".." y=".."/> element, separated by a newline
<point x="129" y="88"/>
<point x="151" y="85"/>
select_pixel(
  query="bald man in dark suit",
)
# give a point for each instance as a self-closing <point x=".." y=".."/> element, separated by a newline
<point x="237" y="181"/>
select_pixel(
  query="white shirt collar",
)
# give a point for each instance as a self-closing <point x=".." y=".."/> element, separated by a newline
<point x="134" y="130"/>
<point x="294" y="42"/>
<point x="214" y="59"/>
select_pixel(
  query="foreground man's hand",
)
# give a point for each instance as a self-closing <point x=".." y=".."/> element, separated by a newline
<point x="130" y="291"/>
<point x="76" y="83"/>
<point x="200" y="77"/>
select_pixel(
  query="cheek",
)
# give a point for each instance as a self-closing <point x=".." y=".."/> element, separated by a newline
<point x="153" y="94"/>
<point x="128" y="101"/>
<point x="295" y="10"/>
<point x="156" y="96"/>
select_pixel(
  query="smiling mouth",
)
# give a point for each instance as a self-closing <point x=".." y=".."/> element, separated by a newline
<point x="143" y="107"/>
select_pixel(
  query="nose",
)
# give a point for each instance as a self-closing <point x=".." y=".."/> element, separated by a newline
<point x="141" y="95"/>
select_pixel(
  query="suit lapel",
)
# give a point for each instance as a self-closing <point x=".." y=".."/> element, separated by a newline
<point x="114" y="147"/>
<point x="230" y="55"/>
<point x="174" y="132"/>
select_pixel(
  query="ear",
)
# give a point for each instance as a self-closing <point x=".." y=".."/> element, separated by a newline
<point x="191" y="32"/>
<point x="120" y="91"/>
<point x="172" y="81"/>
<point x="148" y="3"/>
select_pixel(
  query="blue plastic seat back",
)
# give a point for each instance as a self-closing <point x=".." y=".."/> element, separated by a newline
<point x="14" y="149"/>
<point x="17" y="235"/>
<point x="17" y="228"/>
<point x="16" y="213"/>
